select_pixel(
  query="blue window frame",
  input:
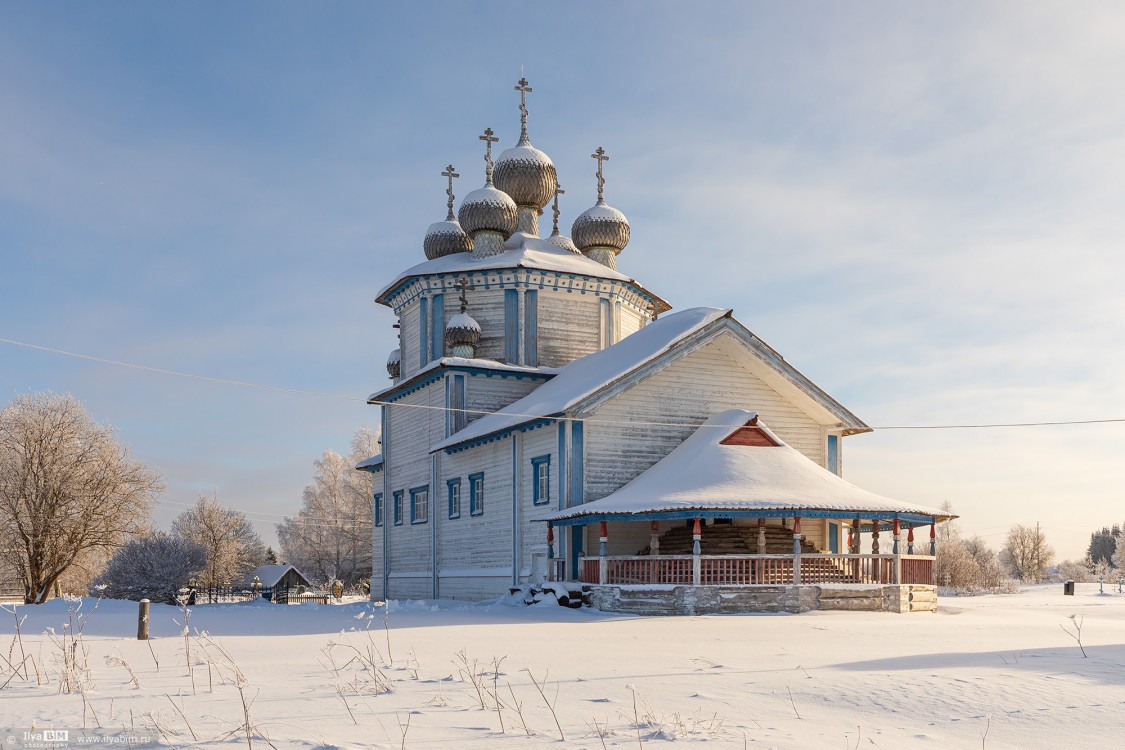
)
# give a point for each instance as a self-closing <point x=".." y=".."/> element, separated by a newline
<point x="476" y="494"/>
<point x="423" y="332"/>
<point x="834" y="454"/>
<point x="437" y="326"/>
<point x="420" y="504"/>
<point x="541" y="480"/>
<point x="378" y="509"/>
<point x="398" y="507"/>
<point x="454" y="488"/>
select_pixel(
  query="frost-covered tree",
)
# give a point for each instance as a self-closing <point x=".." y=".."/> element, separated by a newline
<point x="69" y="491"/>
<point x="330" y="536"/>
<point x="233" y="547"/>
<point x="1103" y="543"/>
<point x="152" y="567"/>
<point x="1027" y="553"/>
<point x="1119" y="552"/>
<point x="1077" y="571"/>
<point x="966" y="565"/>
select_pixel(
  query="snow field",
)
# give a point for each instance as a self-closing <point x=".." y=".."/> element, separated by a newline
<point x="990" y="671"/>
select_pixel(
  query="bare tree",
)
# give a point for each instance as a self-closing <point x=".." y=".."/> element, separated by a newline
<point x="1027" y="554"/>
<point x="233" y="547"/>
<point x="330" y="536"/>
<point x="69" y="490"/>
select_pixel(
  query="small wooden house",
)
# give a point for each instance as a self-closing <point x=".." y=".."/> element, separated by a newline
<point x="273" y="577"/>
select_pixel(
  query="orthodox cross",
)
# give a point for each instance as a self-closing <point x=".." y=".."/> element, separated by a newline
<point x="600" y="155"/>
<point x="524" y="90"/>
<point x="463" y="285"/>
<point x="449" y="190"/>
<point x="489" y="138"/>
<point x="555" y="207"/>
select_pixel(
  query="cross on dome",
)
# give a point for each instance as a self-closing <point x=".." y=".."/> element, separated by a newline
<point x="555" y="208"/>
<point x="489" y="138"/>
<point x="524" y="90"/>
<point x="601" y="156"/>
<point x="449" y="190"/>
<point x="463" y="285"/>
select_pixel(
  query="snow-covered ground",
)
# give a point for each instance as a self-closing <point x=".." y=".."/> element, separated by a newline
<point x="989" y="671"/>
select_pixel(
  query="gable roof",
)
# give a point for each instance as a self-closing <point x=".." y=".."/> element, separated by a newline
<point x="707" y="472"/>
<point x="585" y="378"/>
<point x="269" y="575"/>
<point x="588" y="374"/>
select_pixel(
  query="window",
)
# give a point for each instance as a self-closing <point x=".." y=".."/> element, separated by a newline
<point x="541" y="480"/>
<point x="420" y="504"/>
<point x="378" y="510"/>
<point x="476" y="494"/>
<point x="454" y="486"/>
<point x="398" y="507"/>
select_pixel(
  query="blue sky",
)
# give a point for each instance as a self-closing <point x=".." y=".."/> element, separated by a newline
<point x="919" y="206"/>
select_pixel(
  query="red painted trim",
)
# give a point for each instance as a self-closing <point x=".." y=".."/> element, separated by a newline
<point x="604" y="531"/>
<point x="695" y="529"/>
<point x="796" y="525"/>
<point x="910" y="534"/>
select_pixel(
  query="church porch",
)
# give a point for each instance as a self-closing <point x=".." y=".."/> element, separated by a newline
<point x="761" y="579"/>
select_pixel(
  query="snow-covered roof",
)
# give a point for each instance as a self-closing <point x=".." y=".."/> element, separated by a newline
<point x="369" y="464"/>
<point x="269" y="575"/>
<point x="520" y="251"/>
<point x="704" y="474"/>
<point x="585" y="375"/>
<point x="482" y="364"/>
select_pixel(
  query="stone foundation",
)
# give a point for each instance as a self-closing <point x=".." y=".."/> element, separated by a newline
<point x="717" y="600"/>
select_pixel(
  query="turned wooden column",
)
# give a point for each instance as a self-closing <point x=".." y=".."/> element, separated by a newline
<point x="761" y="536"/>
<point x="696" y="538"/>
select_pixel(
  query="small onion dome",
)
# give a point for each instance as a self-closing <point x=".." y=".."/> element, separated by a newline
<point x="462" y="335"/>
<point x="601" y="226"/>
<point x="527" y="174"/>
<point x="563" y="242"/>
<point x="488" y="209"/>
<point x="394" y="360"/>
<point x="446" y="238"/>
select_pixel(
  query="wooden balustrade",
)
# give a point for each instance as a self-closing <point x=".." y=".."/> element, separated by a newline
<point x="758" y="570"/>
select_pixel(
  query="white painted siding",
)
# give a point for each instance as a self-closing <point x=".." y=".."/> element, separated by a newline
<point x="568" y="326"/>
<point x="475" y="542"/>
<point x="687" y="391"/>
<point x="489" y="393"/>
<point x="410" y="433"/>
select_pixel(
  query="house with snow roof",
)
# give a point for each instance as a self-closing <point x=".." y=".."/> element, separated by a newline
<point x="550" y="421"/>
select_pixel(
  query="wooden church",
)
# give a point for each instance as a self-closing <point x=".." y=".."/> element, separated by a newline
<point x="550" y="419"/>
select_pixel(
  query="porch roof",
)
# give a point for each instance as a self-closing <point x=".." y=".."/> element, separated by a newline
<point x="703" y="477"/>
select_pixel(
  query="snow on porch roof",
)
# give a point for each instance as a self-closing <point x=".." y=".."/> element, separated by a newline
<point x="587" y="374"/>
<point x="704" y="474"/>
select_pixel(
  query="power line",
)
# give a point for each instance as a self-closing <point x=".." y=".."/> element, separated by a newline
<point x="480" y="412"/>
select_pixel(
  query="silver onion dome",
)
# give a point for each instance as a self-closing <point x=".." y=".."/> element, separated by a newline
<point x="446" y="238"/>
<point x="524" y="172"/>
<point x="462" y="330"/>
<point x="565" y="243"/>
<point x="527" y="174"/>
<point x="394" y="361"/>
<point x="556" y="239"/>
<point x="489" y="209"/>
<point x="601" y="226"/>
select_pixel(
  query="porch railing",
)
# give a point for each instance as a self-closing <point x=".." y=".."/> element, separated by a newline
<point x="757" y="570"/>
